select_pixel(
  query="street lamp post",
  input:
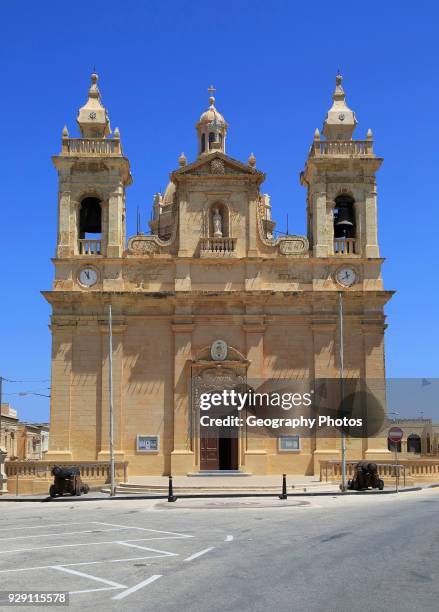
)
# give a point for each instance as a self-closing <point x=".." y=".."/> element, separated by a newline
<point x="110" y="384"/>
<point x="343" y="433"/>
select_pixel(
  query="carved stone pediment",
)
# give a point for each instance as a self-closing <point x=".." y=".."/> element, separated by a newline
<point x="294" y="245"/>
<point x="217" y="164"/>
<point x="142" y="245"/>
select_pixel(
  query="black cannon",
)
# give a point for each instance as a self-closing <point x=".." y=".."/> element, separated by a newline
<point x="67" y="480"/>
<point x="366" y="476"/>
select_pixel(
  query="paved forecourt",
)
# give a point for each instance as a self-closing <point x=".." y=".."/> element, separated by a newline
<point x="90" y="558"/>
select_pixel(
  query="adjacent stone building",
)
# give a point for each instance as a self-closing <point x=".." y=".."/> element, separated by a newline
<point x="212" y="268"/>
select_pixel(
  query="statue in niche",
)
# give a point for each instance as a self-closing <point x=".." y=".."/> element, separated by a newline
<point x="217" y="223"/>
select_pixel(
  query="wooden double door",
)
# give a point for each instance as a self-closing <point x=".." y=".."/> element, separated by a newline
<point x="218" y="453"/>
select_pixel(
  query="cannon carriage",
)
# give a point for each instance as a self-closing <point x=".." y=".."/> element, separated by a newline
<point x="67" y="480"/>
<point x="365" y="476"/>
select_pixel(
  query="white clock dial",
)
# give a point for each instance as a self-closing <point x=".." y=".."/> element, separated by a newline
<point x="346" y="276"/>
<point x="88" y="277"/>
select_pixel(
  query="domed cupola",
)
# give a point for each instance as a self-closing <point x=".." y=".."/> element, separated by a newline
<point x="212" y="129"/>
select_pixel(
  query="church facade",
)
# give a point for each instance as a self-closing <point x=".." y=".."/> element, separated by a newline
<point x="212" y="275"/>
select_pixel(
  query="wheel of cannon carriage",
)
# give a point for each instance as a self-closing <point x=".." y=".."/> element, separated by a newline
<point x="380" y="484"/>
<point x="85" y="489"/>
<point x="52" y="491"/>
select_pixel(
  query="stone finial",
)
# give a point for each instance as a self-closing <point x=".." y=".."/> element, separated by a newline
<point x="93" y="118"/>
<point x="252" y="160"/>
<point x="369" y="135"/>
<point x="65" y="132"/>
<point x="316" y="134"/>
<point x="340" y="121"/>
<point x="116" y="133"/>
<point x="182" y="159"/>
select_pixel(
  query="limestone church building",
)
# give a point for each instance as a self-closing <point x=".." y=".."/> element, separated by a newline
<point x="212" y="268"/>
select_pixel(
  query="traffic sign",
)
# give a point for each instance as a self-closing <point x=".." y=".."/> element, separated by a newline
<point x="395" y="434"/>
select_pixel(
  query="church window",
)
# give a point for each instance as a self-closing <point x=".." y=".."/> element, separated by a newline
<point x="203" y="143"/>
<point x="211" y="138"/>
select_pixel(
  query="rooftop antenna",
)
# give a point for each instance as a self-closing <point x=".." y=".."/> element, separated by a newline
<point x="288" y="233"/>
<point x="138" y="221"/>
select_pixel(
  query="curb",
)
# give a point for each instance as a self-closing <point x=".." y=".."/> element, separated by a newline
<point x="207" y="496"/>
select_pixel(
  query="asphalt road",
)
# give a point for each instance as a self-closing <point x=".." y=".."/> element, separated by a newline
<point x="363" y="553"/>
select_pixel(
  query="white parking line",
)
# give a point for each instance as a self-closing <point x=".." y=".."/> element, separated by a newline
<point x="15" y="550"/>
<point x="180" y="535"/>
<point x="50" y="525"/>
<point x="198" y="554"/>
<point x="62" y="533"/>
<point x="128" y="543"/>
<point x="229" y="538"/>
<point x="136" y="587"/>
<point x="115" y="585"/>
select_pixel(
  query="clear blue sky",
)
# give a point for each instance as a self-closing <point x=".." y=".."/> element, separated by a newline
<point x="273" y="64"/>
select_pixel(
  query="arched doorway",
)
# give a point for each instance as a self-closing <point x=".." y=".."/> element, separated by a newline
<point x="219" y="447"/>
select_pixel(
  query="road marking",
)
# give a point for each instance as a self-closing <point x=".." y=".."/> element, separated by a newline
<point x="93" y="590"/>
<point x="115" y="585"/>
<point x="128" y="543"/>
<point x="62" y="533"/>
<point x="40" y="567"/>
<point x="136" y="587"/>
<point x="229" y="538"/>
<point x="180" y="535"/>
<point x="50" y="525"/>
<point x="5" y="552"/>
<point x="198" y="554"/>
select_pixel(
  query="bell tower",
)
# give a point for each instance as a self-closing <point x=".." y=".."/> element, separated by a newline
<point x="340" y="179"/>
<point x="211" y="129"/>
<point x="92" y="176"/>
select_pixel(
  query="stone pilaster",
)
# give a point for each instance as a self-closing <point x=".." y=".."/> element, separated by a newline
<point x="255" y="455"/>
<point x="319" y="220"/>
<point x="182" y="457"/>
<point x="61" y="387"/>
<point x="103" y="423"/>
<point x="325" y="353"/>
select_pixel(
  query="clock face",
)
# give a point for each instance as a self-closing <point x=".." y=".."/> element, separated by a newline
<point x="92" y="115"/>
<point x="346" y="276"/>
<point x="341" y="116"/>
<point x="88" y="277"/>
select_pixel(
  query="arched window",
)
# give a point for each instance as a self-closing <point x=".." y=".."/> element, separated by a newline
<point x="90" y="218"/>
<point x="344" y="217"/>
<point x="203" y="143"/>
<point x="211" y="138"/>
<point x="414" y="444"/>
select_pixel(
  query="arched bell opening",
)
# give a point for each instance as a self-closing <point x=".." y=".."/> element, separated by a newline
<point x="90" y="226"/>
<point x="344" y="217"/>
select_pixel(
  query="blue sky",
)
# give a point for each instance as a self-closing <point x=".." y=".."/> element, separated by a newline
<point x="273" y="64"/>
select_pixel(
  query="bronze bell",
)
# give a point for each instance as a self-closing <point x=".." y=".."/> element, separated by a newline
<point x="344" y="221"/>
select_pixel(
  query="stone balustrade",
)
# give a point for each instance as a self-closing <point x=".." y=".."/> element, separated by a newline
<point x="35" y="476"/>
<point x="91" y="147"/>
<point x="410" y="470"/>
<point x="341" y="148"/>
<point x="345" y="246"/>
<point x="217" y="247"/>
<point x="89" y="247"/>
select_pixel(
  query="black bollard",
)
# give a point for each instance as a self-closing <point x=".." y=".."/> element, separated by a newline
<point x="284" y="487"/>
<point x="171" y="496"/>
